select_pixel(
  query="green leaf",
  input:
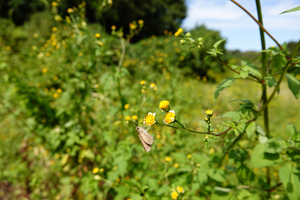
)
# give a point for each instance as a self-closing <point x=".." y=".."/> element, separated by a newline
<point x="294" y="85"/>
<point x="261" y="135"/>
<point x="235" y="116"/>
<point x="260" y="158"/>
<point x="251" y="129"/>
<point x="244" y="74"/>
<point x="217" y="175"/>
<point x="270" y="81"/>
<point x="218" y="43"/>
<point x="275" y="145"/>
<point x="291" y="10"/>
<point x="290" y="177"/>
<point x="212" y="52"/>
<point x="292" y="131"/>
<point x="224" y="84"/>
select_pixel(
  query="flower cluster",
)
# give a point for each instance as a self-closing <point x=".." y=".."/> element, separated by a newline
<point x="176" y="192"/>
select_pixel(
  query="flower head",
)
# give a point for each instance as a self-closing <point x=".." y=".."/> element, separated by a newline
<point x="168" y="159"/>
<point x="179" y="32"/>
<point x="180" y="189"/>
<point x="127" y="118"/>
<point x="150" y="119"/>
<point x="140" y="22"/>
<point x="95" y="170"/>
<point x="174" y="195"/>
<point x="97" y="35"/>
<point x="169" y="117"/>
<point x="134" y="117"/>
<point x="209" y="112"/>
<point x="113" y="27"/>
<point x="143" y="82"/>
<point x="176" y="165"/>
<point x="126" y="106"/>
<point x="164" y="105"/>
<point x="70" y="10"/>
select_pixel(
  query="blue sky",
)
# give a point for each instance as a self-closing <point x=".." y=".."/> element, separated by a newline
<point x="241" y="31"/>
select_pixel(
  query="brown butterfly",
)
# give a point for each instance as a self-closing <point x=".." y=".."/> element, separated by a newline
<point x="145" y="138"/>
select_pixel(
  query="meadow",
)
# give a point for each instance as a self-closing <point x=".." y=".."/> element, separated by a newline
<point x="72" y="96"/>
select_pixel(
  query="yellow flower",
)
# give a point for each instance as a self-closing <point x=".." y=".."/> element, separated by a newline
<point x="113" y="27"/>
<point x="70" y="10"/>
<point x="150" y="119"/>
<point x="167" y="159"/>
<point x="179" y="32"/>
<point x="176" y="165"/>
<point x="174" y="195"/>
<point x="169" y="117"/>
<point x="143" y="82"/>
<point x="59" y="90"/>
<point x="126" y="106"/>
<point x="95" y="170"/>
<point x="127" y="118"/>
<point x="180" y="189"/>
<point x="211" y="151"/>
<point x="97" y="35"/>
<point x="165" y="32"/>
<point x="54" y="4"/>
<point x="152" y="85"/>
<point x="68" y="20"/>
<point x="127" y="178"/>
<point x="132" y="26"/>
<point x="54" y="29"/>
<point x="134" y="117"/>
<point x="100" y="43"/>
<point x="209" y="112"/>
<point x="45" y="70"/>
<point x="55" y="78"/>
<point x="55" y="95"/>
<point x="140" y="22"/>
<point x="189" y="156"/>
<point x="101" y="170"/>
<point x="164" y="105"/>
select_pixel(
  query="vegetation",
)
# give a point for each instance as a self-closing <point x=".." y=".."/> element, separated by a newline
<point x="72" y="96"/>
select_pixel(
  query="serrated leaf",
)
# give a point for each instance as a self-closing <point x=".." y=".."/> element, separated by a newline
<point x="294" y="85"/>
<point x="224" y="84"/>
<point x="260" y="158"/>
<point x="290" y="177"/>
<point x="270" y="81"/>
<point x="244" y="74"/>
<point x="291" y="10"/>
<point x="218" y="43"/>
<point x="251" y="129"/>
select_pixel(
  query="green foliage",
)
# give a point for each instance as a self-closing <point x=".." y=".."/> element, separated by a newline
<point x="72" y="95"/>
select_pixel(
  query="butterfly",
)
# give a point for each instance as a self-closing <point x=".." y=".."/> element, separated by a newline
<point x="145" y="138"/>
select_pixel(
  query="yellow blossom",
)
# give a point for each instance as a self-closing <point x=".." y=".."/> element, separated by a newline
<point x="180" y="189"/>
<point x="164" y="105"/>
<point x="54" y="29"/>
<point x="179" y="32"/>
<point x="169" y="117"/>
<point x="174" y="195"/>
<point x="127" y="118"/>
<point x="140" y="22"/>
<point x="143" y="82"/>
<point x="101" y="170"/>
<point x="100" y="43"/>
<point x="95" y="170"/>
<point x="113" y="27"/>
<point x="134" y="117"/>
<point x="54" y="4"/>
<point x="132" y="26"/>
<point x="152" y="85"/>
<point x="167" y="159"/>
<point x="59" y="90"/>
<point x="55" y="95"/>
<point x="70" y="10"/>
<point x="209" y="112"/>
<point x="80" y="53"/>
<point x="127" y="178"/>
<point x="97" y="35"/>
<point x="55" y="78"/>
<point x="126" y="106"/>
<point x="150" y="119"/>
<point x="189" y="156"/>
<point x="211" y="151"/>
<point x="165" y="32"/>
<point x="45" y="70"/>
<point x="176" y="165"/>
<point x="68" y="20"/>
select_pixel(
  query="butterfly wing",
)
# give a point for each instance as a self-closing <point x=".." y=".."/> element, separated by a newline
<point x="145" y="135"/>
<point x="146" y="146"/>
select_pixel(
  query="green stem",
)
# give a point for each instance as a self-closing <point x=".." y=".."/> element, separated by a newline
<point x="183" y="129"/>
<point x="264" y="86"/>
<point x="279" y="81"/>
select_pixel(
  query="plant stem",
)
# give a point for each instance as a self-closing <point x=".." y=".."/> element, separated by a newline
<point x="264" y="86"/>
<point x="261" y="26"/>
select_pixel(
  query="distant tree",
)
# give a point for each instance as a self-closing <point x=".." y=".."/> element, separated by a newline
<point x="158" y="15"/>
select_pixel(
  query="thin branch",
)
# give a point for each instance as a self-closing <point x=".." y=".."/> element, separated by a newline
<point x="261" y="26"/>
